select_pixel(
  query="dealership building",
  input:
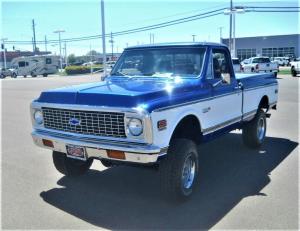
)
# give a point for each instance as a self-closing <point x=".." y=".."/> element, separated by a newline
<point x="271" y="46"/>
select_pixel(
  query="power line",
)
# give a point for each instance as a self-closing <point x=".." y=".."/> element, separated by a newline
<point x="164" y="24"/>
<point x="140" y="29"/>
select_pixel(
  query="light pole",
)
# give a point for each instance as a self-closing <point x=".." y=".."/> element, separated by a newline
<point x="232" y="12"/>
<point x="221" y="28"/>
<point x="4" y="52"/>
<point x="103" y="37"/>
<point x="193" y="35"/>
<point x="59" y="38"/>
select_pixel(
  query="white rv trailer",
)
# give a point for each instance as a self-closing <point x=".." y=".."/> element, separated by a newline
<point x="35" y="65"/>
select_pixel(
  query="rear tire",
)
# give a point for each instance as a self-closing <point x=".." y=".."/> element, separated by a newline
<point x="254" y="132"/>
<point x="45" y="75"/>
<point x="70" y="167"/>
<point x="179" y="170"/>
<point x="14" y="75"/>
<point x="293" y="72"/>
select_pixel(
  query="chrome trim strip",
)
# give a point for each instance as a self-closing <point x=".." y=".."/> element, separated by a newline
<point x="125" y="147"/>
<point x="194" y="102"/>
<point x="249" y="115"/>
<point x="209" y="98"/>
<point x="221" y="125"/>
<point x="267" y="85"/>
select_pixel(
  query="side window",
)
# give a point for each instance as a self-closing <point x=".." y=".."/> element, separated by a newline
<point x="221" y="65"/>
<point x="22" y="64"/>
<point x="48" y="61"/>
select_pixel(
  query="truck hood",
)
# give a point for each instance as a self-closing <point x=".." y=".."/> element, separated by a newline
<point x="131" y="93"/>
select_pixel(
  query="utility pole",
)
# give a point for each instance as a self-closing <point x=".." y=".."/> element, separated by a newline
<point x="103" y="36"/>
<point x="230" y="27"/>
<point x="151" y="38"/>
<point x="91" y="59"/>
<point x="45" y="43"/>
<point x="66" y="57"/>
<point x="59" y="38"/>
<point x="112" y="45"/>
<point x="220" y="28"/>
<point x="193" y="35"/>
<point x="4" y="51"/>
<point x="34" y="40"/>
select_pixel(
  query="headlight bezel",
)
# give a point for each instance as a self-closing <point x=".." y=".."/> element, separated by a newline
<point x="134" y="130"/>
<point x="38" y="116"/>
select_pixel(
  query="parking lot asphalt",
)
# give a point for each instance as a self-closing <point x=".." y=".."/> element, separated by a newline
<point x="238" y="189"/>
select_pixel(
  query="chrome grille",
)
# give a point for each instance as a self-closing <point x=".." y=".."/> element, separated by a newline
<point x="96" y="123"/>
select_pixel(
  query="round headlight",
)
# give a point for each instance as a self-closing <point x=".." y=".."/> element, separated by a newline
<point x="135" y="127"/>
<point x="38" y="117"/>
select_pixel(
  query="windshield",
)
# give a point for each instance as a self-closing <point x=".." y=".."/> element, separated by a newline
<point x="160" y="62"/>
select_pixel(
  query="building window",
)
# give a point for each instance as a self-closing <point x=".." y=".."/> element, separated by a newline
<point x="246" y="53"/>
<point x="279" y="52"/>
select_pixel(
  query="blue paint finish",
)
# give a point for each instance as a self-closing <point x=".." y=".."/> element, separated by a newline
<point x="150" y="92"/>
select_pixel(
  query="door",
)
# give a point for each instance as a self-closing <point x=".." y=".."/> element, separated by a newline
<point x="226" y="101"/>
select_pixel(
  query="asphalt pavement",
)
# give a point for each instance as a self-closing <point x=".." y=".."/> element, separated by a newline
<point x="238" y="189"/>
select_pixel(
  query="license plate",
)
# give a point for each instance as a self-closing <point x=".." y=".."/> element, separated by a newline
<point x="76" y="152"/>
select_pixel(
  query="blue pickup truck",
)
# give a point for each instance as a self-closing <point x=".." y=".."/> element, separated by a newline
<point x="158" y="103"/>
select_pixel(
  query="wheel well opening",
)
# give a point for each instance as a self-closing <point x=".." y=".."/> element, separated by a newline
<point x="189" y="127"/>
<point x="264" y="103"/>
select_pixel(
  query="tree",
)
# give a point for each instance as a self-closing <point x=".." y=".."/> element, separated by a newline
<point x="92" y="53"/>
<point x="71" y="58"/>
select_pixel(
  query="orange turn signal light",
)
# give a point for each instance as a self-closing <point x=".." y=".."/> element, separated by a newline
<point x="115" y="154"/>
<point x="48" y="143"/>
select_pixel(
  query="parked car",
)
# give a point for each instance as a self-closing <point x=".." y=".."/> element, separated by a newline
<point x="237" y="66"/>
<point x="295" y="67"/>
<point x="281" y="61"/>
<point x="154" y="113"/>
<point x="261" y="64"/>
<point x="4" y="73"/>
<point x="35" y="65"/>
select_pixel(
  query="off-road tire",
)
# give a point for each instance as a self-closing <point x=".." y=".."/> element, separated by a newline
<point x="251" y="137"/>
<point x="293" y="72"/>
<point x="171" y="170"/>
<point x="70" y="167"/>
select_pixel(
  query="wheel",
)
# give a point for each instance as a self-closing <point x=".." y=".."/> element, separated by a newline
<point x="293" y="72"/>
<point x="45" y="75"/>
<point x="32" y="74"/>
<point x="254" y="132"/>
<point x="179" y="170"/>
<point x="70" y="167"/>
<point x="25" y="76"/>
<point x="2" y="76"/>
<point x="14" y="75"/>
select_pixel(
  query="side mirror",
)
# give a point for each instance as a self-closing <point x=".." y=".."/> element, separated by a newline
<point x="226" y="78"/>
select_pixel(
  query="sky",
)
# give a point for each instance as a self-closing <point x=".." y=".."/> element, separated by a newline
<point x="83" y="18"/>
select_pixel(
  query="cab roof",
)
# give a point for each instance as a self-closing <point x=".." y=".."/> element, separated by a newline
<point x="176" y="44"/>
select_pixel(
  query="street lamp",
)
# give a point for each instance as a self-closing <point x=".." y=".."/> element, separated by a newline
<point x="4" y="52"/>
<point x="233" y="11"/>
<point x="59" y="38"/>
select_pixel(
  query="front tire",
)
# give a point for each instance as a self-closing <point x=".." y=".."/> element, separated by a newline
<point x="294" y="73"/>
<point x="254" y="132"/>
<point x="70" y="167"/>
<point x="179" y="170"/>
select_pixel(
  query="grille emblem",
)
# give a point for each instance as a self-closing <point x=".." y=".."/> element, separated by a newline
<point x="74" y="121"/>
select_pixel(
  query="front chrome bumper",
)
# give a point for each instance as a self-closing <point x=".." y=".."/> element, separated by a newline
<point x="137" y="153"/>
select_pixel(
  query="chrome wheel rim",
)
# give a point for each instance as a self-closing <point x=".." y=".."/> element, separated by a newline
<point x="188" y="172"/>
<point x="261" y="128"/>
